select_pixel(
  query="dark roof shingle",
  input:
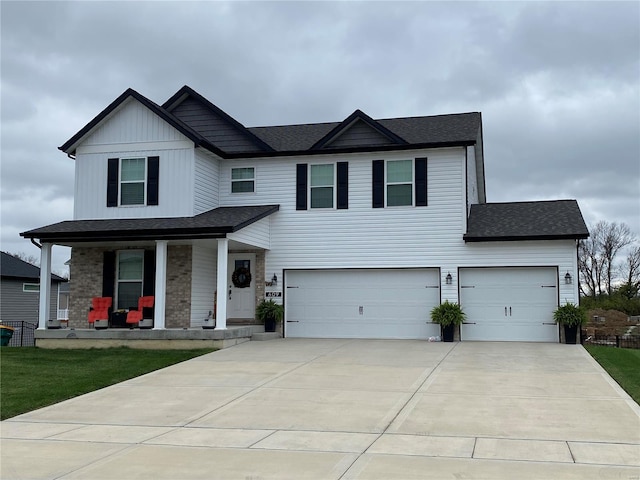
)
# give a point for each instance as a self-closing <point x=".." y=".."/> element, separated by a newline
<point x="211" y="224"/>
<point x="14" y="267"/>
<point x="542" y="220"/>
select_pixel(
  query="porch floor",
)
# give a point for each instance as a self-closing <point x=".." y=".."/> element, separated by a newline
<point x="174" y="338"/>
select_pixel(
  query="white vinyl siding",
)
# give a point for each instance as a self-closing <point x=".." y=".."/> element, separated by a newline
<point x="176" y="188"/>
<point x="207" y="174"/>
<point x="399" y="183"/>
<point x="243" y="180"/>
<point x="258" y="234"/>
<point x="322" y="185"/>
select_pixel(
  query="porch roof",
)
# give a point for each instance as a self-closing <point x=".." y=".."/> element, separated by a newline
<point x="216" y="223"/>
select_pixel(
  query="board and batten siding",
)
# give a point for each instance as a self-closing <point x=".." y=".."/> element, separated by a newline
<point x="18" y="305"/>
<point x="203" y="282"/>
<point x="207" y="173"/>
<point x="175" y="187"/>
<point x="132" y="122"/>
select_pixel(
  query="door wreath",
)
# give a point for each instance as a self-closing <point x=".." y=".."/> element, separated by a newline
<point x="241" y="277"/>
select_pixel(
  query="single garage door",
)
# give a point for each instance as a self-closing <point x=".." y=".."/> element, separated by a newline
<point x="509" y="304"/>
<point x="380" y="303"/>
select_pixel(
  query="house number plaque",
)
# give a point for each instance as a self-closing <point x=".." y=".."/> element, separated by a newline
<point x="273" y="294"/>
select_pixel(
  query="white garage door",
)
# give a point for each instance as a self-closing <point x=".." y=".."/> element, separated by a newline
<point x="384" y="303"/>
<point x="509" y="304"/>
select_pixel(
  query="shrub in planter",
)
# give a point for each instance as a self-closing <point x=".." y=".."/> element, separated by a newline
<point x="571" y="317"/>
<point x="449" y="316"/>
<point x="270" y="313"/>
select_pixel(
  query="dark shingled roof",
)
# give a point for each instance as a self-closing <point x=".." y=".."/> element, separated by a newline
<point x="461" y="129"/>
<point x="13" y="267"/>
<point x="215" y="223"/>
<point x="544" y="220"/>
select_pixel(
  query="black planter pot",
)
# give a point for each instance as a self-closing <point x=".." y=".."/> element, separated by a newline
<point x="270" y="325"/>
<point x="447" y="333"/>
<point x="571" y="334"/>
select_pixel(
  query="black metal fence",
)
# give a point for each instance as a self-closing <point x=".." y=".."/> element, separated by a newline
<point x="619" y="341"/>
<point x="23" y="333"/>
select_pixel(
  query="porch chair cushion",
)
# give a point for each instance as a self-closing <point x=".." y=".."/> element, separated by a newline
<point x="100" y="307"/>
<point x="135" y="316"/>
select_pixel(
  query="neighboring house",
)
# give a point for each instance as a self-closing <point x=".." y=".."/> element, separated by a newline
<point x="20" y="291"/>
<point x="359" y="227"/>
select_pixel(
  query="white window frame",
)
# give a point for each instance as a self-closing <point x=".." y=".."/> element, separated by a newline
<point x="333" y="187"/>
<point x="143" y="181"/>
<point x="412" y="183"/>
<point x="118" y="281"/>
<point x="243" y="180"/>
<point x="26" y="289"/>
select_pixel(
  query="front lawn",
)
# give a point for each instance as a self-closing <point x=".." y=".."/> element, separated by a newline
<point x="32" y="378"/>
<point x="623" y="364"/>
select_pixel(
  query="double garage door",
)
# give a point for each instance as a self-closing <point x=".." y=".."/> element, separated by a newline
<point x="502" y="304"/>
<point x="372" y="303"/>
<point x="509" y="304"/>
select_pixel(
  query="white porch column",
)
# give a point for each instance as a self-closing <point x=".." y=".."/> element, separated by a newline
<point x="161" y="285"/>
<point x="223" y="287"/>
<point x="45" y="286"/>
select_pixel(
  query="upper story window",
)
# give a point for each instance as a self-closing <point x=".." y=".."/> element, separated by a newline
<point x="399" y="183"/>
<point x="321" y="184"/>
<point x="325" y="184"/>
<point x="132" y="181"/>
<point x="130" y="273"/>
<point x="243" y="180"/>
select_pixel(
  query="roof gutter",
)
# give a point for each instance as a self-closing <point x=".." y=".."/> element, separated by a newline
<point x="33" y="240"/>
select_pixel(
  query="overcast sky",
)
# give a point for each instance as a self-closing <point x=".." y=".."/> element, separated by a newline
<point x="558" y="85"/>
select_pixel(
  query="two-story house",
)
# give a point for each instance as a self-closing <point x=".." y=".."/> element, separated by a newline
<point x="359" y="227"/>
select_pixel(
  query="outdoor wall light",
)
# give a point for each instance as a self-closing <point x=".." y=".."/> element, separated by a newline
<point x="568" y="279"/>
<point x="449" y="279"/>
<point x="274" y="280"/>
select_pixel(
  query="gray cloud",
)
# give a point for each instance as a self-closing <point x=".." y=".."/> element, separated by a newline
<point x="558" y="84"/>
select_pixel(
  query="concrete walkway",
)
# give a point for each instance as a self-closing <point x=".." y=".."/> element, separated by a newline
<point x="342" y="409"/>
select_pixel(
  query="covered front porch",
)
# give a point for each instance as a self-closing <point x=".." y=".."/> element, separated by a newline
<point x="188" y="265"/>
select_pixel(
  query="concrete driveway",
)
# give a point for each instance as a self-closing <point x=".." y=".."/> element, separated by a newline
<point x="342" y="409"/>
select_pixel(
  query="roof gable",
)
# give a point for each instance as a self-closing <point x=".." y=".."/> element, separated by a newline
<point x="212" y="123"/>
<point x="70" y="145"/>
<point x="358" y="130"/>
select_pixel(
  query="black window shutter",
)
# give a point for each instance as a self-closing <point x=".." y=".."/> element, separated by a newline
<point x="421" y="182"/>
<point x="149" y="275"/>
<point x="112" y="182"/>
<point x="301" y="186"/>
<point x="108" y="273"/>
<point x="153" y="174"/>
<point x="343" y="185"/>
<point x="378" y="183"/>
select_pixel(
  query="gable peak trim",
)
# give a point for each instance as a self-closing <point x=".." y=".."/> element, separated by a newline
<point x="347" y="123"/>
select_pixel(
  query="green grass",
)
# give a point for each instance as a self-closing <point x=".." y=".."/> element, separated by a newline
<point x="32" y="378"/>
<point x="623" y="364"/>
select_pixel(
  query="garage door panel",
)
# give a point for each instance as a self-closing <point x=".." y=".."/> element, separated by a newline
<point x="509" y="303"/>
<point x="361" y="303"/>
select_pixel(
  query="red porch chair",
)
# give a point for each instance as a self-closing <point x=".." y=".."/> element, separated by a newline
<point x="135" y="316"/>
<point x="99" y="310"/>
